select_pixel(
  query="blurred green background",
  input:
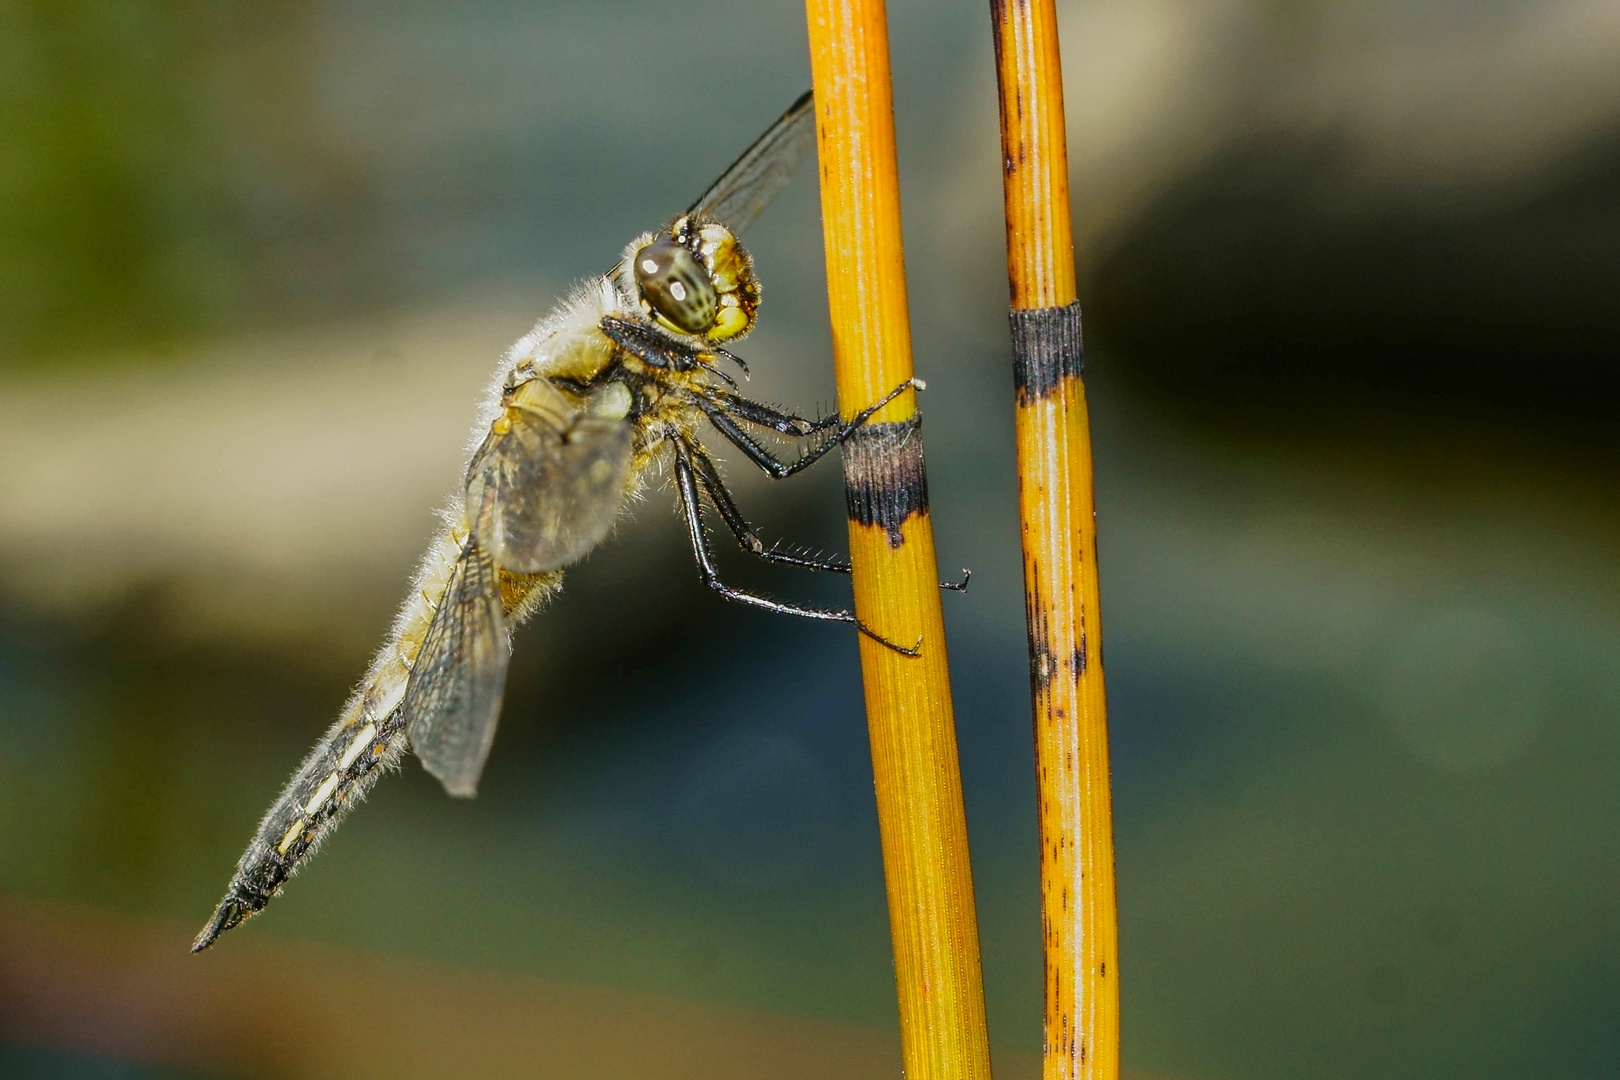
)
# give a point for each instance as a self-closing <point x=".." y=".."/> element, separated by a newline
<point x="1351" y="276"/>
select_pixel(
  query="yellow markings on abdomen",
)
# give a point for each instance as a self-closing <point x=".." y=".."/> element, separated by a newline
<point x="322" y="793"/>
<point x="361" y="740"/>
<point x="414" y="619"/>
<point x="293" y="832"/>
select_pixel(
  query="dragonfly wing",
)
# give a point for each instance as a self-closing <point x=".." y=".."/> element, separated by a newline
<point x="742" y="191"/>
<point x="453" y="697"/>
<point x="545" y="492"/>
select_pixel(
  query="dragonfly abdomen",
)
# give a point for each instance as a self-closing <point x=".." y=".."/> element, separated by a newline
<point x="336" y="775"/>
<point x="368" y="738"/>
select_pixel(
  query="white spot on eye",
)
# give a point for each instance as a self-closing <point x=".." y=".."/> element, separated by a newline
<point x="361" y="741"/>
<point x="648" y="266"/>
<point x="292" y="834"/>
<point x="322" y="793"/>
<point x="677" y="290"/>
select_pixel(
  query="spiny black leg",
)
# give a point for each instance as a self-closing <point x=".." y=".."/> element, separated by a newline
<point x="645" y="345"/>
<point x="692" y="510"/>
<point x="788" y="423"/>
<point x="651" y="347"/>
<point x="739" y="438"/>
<point x="715" y="488"/>
<point x="774" y="466"/>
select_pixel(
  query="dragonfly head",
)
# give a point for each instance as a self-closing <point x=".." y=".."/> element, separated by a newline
<point x="696" y="279"/>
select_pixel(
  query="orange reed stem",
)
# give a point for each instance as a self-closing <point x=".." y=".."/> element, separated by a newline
<point x="908" y="703"/>
<point x="1079" y="915"/>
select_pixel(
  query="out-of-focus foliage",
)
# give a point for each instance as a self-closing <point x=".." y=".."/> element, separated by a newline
<point x="110" y="193"/>
<point x="164" y="174"/>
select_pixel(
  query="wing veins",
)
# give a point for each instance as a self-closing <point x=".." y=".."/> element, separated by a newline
<point x="453" y="698"/>
<point x="743" y="190"/>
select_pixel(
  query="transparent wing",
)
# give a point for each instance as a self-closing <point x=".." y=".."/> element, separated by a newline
<point x="742" y="191"/>
<point x="453" y="698"/>
<point x="544" y="492"/>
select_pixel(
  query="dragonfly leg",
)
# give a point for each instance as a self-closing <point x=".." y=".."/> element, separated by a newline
<point x="686" y="487"/>
<point x="719" y="416"/>
<point x="715" y="487"/>
<point x="652" y="348"/>
<point x="771" y="416"/>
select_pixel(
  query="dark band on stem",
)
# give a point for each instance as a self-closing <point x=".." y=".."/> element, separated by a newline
<point x="884" y="479"/>
<point x="1047" y="348"/>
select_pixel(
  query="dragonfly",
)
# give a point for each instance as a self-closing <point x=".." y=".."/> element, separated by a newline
<point x="608" y="390"/>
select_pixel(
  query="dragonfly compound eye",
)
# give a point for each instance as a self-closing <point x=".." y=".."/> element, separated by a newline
<point x="677" y="286"/>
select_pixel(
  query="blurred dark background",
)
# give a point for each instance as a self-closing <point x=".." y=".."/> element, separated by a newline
<point x="1350" y="275"/>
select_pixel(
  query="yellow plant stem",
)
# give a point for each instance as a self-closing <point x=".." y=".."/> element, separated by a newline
<point x="908" y="704"/>
<point x="1079" y="915"/>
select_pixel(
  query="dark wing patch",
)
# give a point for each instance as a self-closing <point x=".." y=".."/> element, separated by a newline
<point x="742" y="191"/>
<point x="544" y="491"/>
<point x="453" y="697"/>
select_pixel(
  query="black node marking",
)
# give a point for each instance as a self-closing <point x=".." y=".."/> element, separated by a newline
<point x="1048" y="347"/>
<point x="885" y="482"/>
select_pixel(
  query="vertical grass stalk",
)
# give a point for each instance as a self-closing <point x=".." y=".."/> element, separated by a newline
<point x="908" y="703"/>
<point x="1079" y="914"/>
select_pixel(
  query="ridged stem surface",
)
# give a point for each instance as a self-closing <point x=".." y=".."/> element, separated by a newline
<point x="908" y="702"/>
<point x="1079" y="916"/>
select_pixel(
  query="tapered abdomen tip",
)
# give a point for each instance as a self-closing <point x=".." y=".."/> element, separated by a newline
<point x="230" y="913"/>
